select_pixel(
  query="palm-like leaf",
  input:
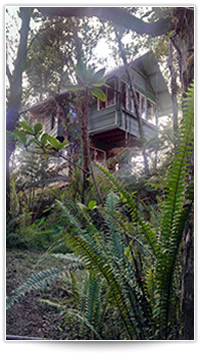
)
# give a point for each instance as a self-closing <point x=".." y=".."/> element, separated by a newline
<point x="88" y="79"/>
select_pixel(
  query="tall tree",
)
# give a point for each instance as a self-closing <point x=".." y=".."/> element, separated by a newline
<point x="89" y="82"/>
<point x="15" y="95"/>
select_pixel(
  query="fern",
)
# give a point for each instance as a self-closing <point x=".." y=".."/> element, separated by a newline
<point x="136" y="218"/>
<point x="114" y="235"/>
<point x="128" y="267"/>
<point x="84" y="316"/>
<point x="174" y="217"/>
<point x="72" y="262"/>
<point x="44" y="278"/>
<point x="175" y="214"/>
<point x="116" y="270"/>
<point x="150" y="285"/>
<point x="76" y="314"/>
<point x="37" y="281"/>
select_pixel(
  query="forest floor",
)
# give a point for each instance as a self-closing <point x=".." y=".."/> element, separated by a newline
<point x="30" y="317"/>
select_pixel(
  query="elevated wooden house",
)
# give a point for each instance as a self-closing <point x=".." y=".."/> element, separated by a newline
<point x="113" y="123"/>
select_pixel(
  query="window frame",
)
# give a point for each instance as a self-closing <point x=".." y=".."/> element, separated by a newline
<point x="107" y="88"/>
<point x="146" y="99"/>
<point x="155" y="109"/>
<point x="128" y="100"/>
<point x="145" y="106"/>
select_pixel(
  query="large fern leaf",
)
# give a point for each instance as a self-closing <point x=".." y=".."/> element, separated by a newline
<point x="136" y="218"/>
<point x="175" y="214"/>
<point x="117" y="271"/>
<point x="37" y="281"/>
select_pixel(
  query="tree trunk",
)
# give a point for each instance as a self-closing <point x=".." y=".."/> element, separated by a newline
<point x="14" y="101"/>
<point x="173" y="89"/>
<point x="135" y="100"/>
<point x="187" y="299"/>
<point x="85" y="142"/>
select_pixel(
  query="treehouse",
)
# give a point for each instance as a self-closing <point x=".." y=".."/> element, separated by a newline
<point x="113" y="123"/>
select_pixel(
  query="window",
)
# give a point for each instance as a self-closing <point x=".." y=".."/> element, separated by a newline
<point x="146" y="106"/>
<point x="143" y="106"/>
<point x="110" y="93"/>
<point x="151" y="112"/>
<point x="130" y="102"/>
<point x="138" y="101"/>
<point x="123" y="94"/>
<point x="52" y="120"/>
<point x="127" y="99"/>
<point x="102" y="104"/>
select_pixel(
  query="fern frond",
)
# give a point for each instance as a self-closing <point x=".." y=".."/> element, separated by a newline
<point x="175" y="214"/>
<point x="94" y="300"/>
<point x="83" y="319"/>
<point x="37" y="281"/>
<point x="73" y="313"/>
<point x="116" y="271"/>
<point x="112" y="201"/>
<point x="150" y="285"/>
<point x="72" y="262"/>
<point x="111" y="215"/>
<point x="144" y="227"/>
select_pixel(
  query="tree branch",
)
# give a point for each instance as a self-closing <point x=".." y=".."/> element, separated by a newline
<point x="135" y="101"/>
<point x="117" y="15"/>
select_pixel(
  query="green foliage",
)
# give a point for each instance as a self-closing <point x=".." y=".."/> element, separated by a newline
<point x="54" y="47"/>
<point x="174" y="216"/>
<point x="45" y="278"/>
<point x="88" y="309"/>
<point x="27" y="135"/>
<point x="128" y="288"/>
<point x="136" y="218"/>
<point x="85" y="310"/>
<point x="13" y="238"/>
<point x="34" y="187"/>
<point x="14" y="201"/>
<point x="174" y="212"/>
<point x="89" y="79"/>
<point x="104" y="251"/>
<point x="37" y="281"/>
<point x="72" y="262"/>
